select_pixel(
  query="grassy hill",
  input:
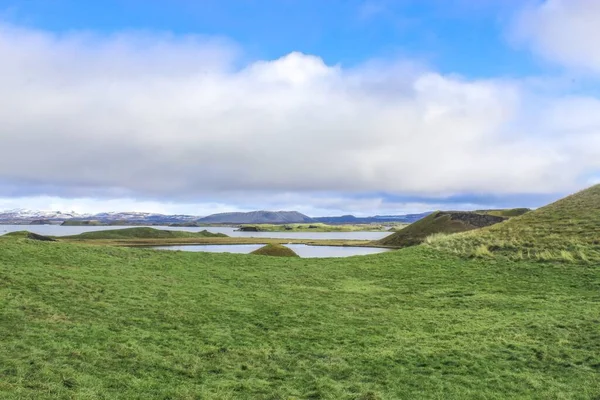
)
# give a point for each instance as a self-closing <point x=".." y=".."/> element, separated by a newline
<point x="275" y="250"/>
<point x="142" y="233"/>
<point x="99" y="322"/>
<point x="439" y="222"/>
<point x="567" y="230"/>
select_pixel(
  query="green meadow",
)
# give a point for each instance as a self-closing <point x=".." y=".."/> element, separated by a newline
<point x="98" y="322"/>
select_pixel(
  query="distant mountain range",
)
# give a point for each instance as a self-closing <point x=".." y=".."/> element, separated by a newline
<point x="257" y="217"/>
<point x="21" y="216"/>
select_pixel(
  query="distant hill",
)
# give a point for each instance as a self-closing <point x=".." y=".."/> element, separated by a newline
<point x="438" y="222"/>
<point x="566" y="230"/>
<point x="256" y="217"/>
<point x="351" y="219"/>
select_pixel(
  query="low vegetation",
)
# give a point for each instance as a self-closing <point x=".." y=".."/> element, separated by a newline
<point x="141" y="233"/>
<point x="275" y="250"/>
<point x="445" y="222"/>
<point x="567" y="230"/>
<point x="101" y="322"/>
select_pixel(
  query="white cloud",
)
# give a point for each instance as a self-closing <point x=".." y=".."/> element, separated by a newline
<point x="564" y="31"/>
<point x="160" y="117"/>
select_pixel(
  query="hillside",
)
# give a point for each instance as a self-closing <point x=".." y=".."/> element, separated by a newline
<point x="568" y="229"/>
<point x="439" y="222"/>
<point x="142" y="233"/>
<point x="275" y="250"/>
<point x="256" y="217"/>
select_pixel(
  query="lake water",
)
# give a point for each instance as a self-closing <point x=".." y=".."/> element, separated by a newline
<point x="302" y="250"/>
<point x="57" y="230"/>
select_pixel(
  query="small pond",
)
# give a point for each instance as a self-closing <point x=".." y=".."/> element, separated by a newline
<point x="302" y="250"/>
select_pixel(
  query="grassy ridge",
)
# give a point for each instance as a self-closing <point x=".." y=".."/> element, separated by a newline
<point x="275" y="250"/>
<point x="567" y="230"/>
<point x="141" y="233"/>
<point x="447" y="222"/>
<point x="94" y="322"/>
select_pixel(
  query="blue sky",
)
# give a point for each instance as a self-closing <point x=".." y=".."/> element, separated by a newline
<point x="464" y="37"/>
<point x="357" y="106"/>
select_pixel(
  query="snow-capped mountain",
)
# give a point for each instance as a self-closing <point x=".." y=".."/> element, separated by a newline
<point x="24" y="216"/>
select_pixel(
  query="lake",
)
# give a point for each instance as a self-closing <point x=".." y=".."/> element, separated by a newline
<point x="302" y="250"/>
<point x="58" y="230"/>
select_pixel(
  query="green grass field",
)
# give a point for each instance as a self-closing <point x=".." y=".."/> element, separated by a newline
<point x="98" y="322"/>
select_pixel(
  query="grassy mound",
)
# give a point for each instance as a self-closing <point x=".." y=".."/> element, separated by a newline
<point x="446" y="222"/>
<point x="28" y="235"/>
<point x="142" y="233"/>
<point x="567" y="230"/>
<point x="275" y="250"/>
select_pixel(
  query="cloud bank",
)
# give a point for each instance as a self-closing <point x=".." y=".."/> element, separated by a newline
<point x="178" y="118"/>
<point x="563" y="31"/>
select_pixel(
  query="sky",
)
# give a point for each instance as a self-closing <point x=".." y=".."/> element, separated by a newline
<point x="358" y="107"/>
